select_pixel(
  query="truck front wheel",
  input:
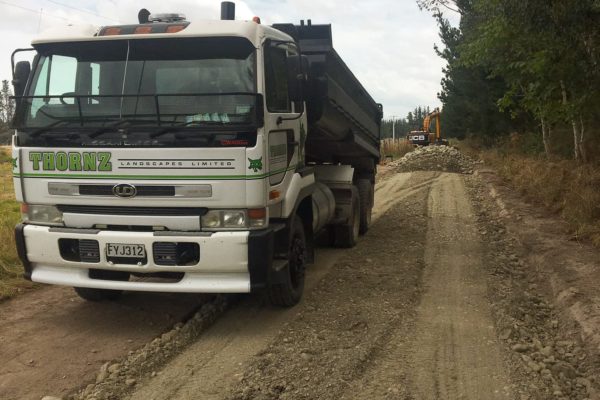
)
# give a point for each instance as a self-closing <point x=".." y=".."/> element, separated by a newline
<point x="91" y="294"/>
<point x="289" y="292"/>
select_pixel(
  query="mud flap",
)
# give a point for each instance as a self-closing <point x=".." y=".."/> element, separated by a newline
<point x="22" y="250"/>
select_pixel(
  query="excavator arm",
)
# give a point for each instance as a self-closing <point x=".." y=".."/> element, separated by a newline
<point x="435" y="115"/>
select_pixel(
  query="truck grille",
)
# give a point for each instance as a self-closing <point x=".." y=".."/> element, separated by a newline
<point x="142" y="190"/>
<point x="109" y="210"/>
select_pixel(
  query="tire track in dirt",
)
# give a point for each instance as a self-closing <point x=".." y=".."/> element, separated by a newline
<point x="395" y="189"/>
<point x="449" y="351"/>
<point x="456" y="353"/>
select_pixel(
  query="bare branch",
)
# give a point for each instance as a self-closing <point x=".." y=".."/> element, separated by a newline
<point x="434" y="5"/>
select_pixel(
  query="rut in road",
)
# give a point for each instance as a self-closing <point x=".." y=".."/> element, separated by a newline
<point x="451" y="351"/>
<point x="456" y="354"/>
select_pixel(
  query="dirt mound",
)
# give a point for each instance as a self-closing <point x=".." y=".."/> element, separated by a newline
<point x="434" y="158"/>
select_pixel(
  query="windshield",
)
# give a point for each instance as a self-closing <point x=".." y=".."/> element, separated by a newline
<point x="142" y="85"/>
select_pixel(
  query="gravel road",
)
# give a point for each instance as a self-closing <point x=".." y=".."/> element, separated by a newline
<point x="437" y="301"/>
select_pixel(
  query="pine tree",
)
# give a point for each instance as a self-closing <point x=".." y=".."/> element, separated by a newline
<point x="7" y="106"/>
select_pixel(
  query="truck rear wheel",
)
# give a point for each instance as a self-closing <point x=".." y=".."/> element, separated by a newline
<point x="346" y="235"/>
<point x="91" y="294"/>
<point x="365" y="193"/>
<point x="289" y="293"/>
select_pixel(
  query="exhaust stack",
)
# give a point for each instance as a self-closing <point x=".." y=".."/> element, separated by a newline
<point x="228" y="10"/>
<point x="144" y="16"/>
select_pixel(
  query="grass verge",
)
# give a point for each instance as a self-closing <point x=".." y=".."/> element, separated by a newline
<point x="11" y="281"/>
<point x="564" y="187"/>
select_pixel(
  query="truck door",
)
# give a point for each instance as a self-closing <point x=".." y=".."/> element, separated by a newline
<point x="284" y="126"/>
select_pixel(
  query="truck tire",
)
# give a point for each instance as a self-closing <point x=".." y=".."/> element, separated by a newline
<point x="346" y="235"/>
<point x="365" y="194"/>
<point x="91" y="294"/>
<point x="289" y="293"/>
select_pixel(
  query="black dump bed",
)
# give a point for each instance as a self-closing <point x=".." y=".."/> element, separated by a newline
<point x="344" y="120"/>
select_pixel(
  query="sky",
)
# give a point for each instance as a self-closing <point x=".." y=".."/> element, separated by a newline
<point x="388" y="44"/>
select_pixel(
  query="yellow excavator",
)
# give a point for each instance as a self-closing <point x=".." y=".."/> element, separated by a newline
<point x="426" y="138"/>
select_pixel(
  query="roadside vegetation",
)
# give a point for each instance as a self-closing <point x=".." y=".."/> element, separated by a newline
<point x="522" y="86"/>
<point x="562" y="186"/>
<point x="10" y="266"/>
<point x="395" y="149"/>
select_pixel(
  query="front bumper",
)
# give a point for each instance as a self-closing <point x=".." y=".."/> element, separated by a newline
<point x="230" y="262"/>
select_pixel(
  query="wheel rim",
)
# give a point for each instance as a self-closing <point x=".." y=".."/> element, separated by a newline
<point x="296" y="262"/>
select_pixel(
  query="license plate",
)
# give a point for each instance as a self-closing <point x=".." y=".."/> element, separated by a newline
<point x="125" y="250"/>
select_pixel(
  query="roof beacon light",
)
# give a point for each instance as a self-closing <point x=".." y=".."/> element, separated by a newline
<point x="256" y="19"/>
<point x="166" y="17"/>
<point x="111" y="31"/>
<point x="143" y="30"/>
<point x="175" y="28"/>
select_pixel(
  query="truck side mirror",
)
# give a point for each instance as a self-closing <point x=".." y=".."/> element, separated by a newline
<point x="295" y="78"/>
<point x="21" y="74"/>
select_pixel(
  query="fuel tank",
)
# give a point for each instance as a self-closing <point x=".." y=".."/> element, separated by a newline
<point x="323" y="206"/>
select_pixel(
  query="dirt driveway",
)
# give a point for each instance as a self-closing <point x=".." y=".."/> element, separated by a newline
<point x="437" y="301"/>
<point x="51" y="341"/>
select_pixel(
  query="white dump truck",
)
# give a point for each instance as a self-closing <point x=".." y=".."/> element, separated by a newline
<point x="189" y="156"/>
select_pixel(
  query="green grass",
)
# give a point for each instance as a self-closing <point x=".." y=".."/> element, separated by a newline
<point x="11" y="270"/>
<point x="5" y="155"/>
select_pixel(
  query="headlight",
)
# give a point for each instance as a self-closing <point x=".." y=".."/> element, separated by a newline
<point x="41" y="214"/>
<point x="211" y="220"/>
<point x="234" y="219"/>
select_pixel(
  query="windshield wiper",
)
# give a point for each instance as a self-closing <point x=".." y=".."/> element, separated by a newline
<point x="175" y="128"/>
<point x="111" y="127"/>
<point x="56" y="124"/>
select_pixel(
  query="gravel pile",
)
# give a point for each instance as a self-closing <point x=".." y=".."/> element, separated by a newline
<point x="434" y="158"/>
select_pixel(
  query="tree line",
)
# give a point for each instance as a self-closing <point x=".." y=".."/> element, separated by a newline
<point x="519" y="65"/>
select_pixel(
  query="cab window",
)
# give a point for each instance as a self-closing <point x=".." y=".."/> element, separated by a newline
<point x="276" y="78"/>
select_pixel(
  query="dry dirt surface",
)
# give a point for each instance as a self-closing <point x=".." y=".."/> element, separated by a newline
<point x="52" y="341"/>
<point x="453" y="294"/>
